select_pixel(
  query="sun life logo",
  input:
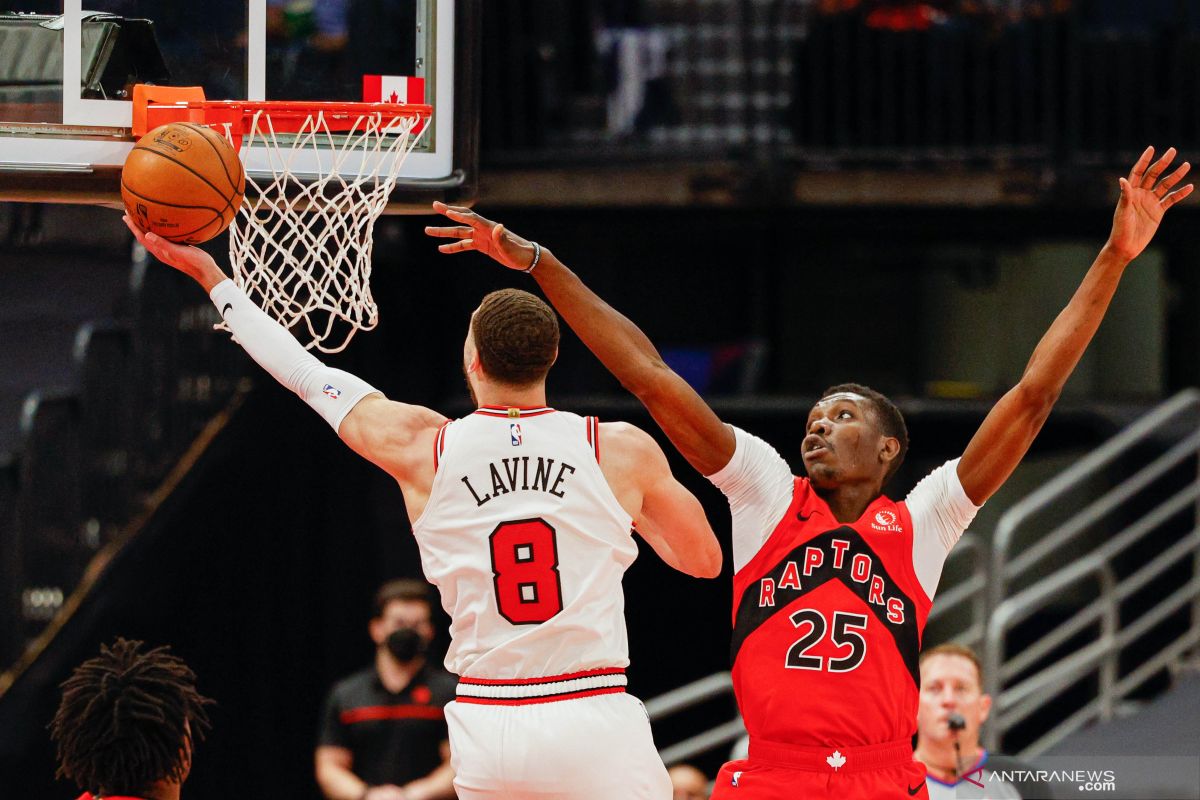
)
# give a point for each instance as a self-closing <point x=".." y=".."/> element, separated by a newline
<point x="886" y="520"/>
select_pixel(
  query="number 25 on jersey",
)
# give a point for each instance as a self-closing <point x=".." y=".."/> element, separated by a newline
<point x="525" y="570"/>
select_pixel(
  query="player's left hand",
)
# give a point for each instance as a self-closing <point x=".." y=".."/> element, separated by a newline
<point x="478" y="233"/>
<point x="1144" y="201"/>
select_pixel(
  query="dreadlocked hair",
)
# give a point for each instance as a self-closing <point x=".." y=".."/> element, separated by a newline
<point x="128" y="720"/>
<point x="888" y="418"/>
<point x="516" y="334"/>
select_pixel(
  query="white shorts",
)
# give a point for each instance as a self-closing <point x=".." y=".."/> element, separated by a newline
<point x="588" y="748"/>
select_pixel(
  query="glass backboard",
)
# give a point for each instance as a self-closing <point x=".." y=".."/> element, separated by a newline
<point x="66" y="77"/>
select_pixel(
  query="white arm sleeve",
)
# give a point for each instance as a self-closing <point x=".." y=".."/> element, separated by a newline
<point x="940" y="511"/>
<point x="332" y="393"/>
<point x="758" y="484"/>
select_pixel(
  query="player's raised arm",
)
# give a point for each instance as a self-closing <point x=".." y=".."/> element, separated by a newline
<point x="1012" y="424"/>
<point x="670" y="518"/>
<point x="392" y="435"/>
<point x="693" y="427"/>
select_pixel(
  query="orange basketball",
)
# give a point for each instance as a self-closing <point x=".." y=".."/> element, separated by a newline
<point x="184" y="182"/>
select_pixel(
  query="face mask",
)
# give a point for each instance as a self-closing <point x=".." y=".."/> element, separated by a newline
<point x="405" y="644"/>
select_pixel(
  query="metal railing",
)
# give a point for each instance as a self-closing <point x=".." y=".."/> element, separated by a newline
<point x="719" y="684"/>
<point x="1024" y="678"/>
<point x="969" y="592"/>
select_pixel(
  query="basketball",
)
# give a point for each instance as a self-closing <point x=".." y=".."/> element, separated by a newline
<point x="183" y="182"/>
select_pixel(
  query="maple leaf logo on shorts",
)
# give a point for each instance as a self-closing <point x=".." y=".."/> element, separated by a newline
<point x="836" y="760"/>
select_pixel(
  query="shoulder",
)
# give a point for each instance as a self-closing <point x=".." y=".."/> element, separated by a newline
<point x="628" y="438"/>
<point x="941" y="487"/>
<point x="999" y="762"/>
<point x="396" y="436"/>
<point x="631" y="451"/>
<point x="394" y="418"/>
<point x="355" y="685"/>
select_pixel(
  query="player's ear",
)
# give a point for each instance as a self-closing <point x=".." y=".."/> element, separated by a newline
<point x="375" y="628"/>
<point x="889" y="449"/>
<point x="985" y="707"/>
<point x="474" y="365"/>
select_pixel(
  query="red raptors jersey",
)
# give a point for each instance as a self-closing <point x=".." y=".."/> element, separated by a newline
<point x="827" y="622"/>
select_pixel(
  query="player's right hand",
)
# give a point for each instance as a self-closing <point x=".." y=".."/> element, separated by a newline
<point x="191" y="261"/>
<point x="478" y="233"/>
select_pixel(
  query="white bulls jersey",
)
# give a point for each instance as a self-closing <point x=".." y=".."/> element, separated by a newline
<point x="527" y="544"/>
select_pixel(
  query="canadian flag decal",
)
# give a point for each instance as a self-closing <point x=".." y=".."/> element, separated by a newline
<point x="393" y="89"/>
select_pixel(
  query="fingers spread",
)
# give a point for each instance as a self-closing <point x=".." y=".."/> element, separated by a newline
<point x="1135" y="174"/>
<point x="457" y="232"/>
<point x="1177" y="195"/>
<point x="457" y="247"/>
<point x="1175" y="177"/>
<point x="1152" y="174"/>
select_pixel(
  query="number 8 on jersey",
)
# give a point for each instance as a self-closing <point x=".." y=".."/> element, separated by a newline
<point x="525" y="570"/>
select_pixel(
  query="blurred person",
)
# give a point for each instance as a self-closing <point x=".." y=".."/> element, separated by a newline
<point x="688" y="783"/>
<point x="905" y="16"/>
<point x="524" y="516"/>
<point x="833" y="581"/>
<point x="953" y="708"/>
<point x="320" y="24"/>
<point x="128" y="722"/>
<point x="383" y="729"/>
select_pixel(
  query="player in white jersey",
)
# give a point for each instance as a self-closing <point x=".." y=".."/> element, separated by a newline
<point x="523" y="515"/>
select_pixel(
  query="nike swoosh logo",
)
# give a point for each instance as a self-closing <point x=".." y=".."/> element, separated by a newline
<point x="803" y="517"/>
<point x="226" y="308"/>
<point x="912" y="790"/>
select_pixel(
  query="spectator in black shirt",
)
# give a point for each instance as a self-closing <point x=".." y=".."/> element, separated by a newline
<point x="383" y="731"/>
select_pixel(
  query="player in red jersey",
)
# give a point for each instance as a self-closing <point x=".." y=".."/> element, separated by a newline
<point x="128" y="722"/>
<point x="833" y="581"/>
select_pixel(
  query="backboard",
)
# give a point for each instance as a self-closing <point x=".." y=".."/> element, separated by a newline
<point x="66" y="77"/>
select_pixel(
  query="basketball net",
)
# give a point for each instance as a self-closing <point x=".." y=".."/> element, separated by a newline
<point x="300" y="246"/>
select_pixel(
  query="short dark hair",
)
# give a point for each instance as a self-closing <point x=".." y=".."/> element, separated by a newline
<point x="954" y="649"/>
<point x="128" y="720"/>
<point x="407" y="589"/>
<point x="516" y="335"/>
<point x="887" y="417"/>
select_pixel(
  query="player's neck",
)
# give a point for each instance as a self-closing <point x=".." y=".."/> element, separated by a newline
<point x="848" y="501"/>
<point x="497" y="394"/>
<point x="943" y="763"/>
<point x="396" y="675"/>
<point x="160" y="791"/>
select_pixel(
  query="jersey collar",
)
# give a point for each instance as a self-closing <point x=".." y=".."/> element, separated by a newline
<point x="514" y="412"/>
<point x="983" y="756"/>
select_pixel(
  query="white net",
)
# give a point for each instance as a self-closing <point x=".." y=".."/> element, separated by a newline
<point x="301" y="245"/>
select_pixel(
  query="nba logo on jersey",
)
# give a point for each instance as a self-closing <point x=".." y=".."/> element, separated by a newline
<point x="514" y="430"/>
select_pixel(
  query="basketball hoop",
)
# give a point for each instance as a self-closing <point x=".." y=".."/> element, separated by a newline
<point x="301" y="244"/>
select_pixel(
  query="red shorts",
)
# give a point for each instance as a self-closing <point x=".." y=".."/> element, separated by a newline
<point x="787" y="772"/>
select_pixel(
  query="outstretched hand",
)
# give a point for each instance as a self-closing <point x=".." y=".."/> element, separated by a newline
<point x="477" y="233"/>
<point x="1144" y="201"/>
<point x="191" y="261"/>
